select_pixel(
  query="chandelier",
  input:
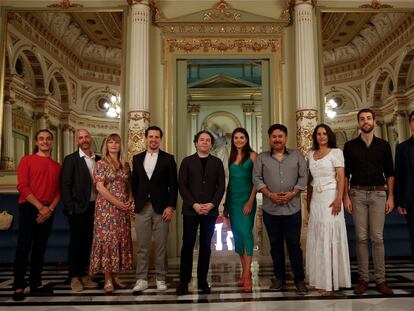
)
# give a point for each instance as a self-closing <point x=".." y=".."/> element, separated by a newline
<point x="330" y="106"/>
<point x="112" y="105"/>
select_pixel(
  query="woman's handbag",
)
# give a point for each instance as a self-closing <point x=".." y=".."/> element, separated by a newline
<point x="6" y="220"/>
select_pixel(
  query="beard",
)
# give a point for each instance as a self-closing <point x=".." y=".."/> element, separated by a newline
<point x="367" y="130"/>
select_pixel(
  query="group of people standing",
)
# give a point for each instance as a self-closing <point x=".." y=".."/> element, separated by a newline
<point x="100" y="194"/>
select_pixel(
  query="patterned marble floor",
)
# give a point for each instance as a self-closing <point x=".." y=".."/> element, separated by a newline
<point x="223" y="277"/>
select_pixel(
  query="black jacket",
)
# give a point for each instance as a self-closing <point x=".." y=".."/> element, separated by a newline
<point x="196" y="187"/>
<point x="162" y="188"/>
<point x="404" y="175"/>
<point x="76" y="184"/>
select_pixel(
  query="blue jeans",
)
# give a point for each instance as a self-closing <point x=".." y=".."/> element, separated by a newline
<point x="281" y="229"/>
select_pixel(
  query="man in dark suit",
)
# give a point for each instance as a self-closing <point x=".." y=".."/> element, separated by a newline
<point x="155" y="189"/>
<point x="78" y="196"/>
<point x="404" y="181"/>
<point x="201" y="182"/>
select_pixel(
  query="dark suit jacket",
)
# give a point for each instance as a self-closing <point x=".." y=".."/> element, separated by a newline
<point x="404" y="175"/>
<point x="162" y="188"/>
<point x="76" y="184"/>
<point x="196" y="187"/>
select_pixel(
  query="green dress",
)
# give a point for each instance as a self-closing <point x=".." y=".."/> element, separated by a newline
<point x="238" y="193"/>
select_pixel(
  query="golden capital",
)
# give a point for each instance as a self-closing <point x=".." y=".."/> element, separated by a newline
<point x="298" y="2"/>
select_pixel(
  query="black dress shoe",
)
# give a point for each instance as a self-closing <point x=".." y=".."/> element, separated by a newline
<point x="204" y="289"/>
<point x="181" y="290"/>
<point x="41" y="291"/>
<point x="18" y="296"/>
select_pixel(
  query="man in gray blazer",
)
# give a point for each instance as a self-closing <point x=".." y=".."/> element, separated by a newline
<point x="78" y="197"/>
<point x="201" y="182"/>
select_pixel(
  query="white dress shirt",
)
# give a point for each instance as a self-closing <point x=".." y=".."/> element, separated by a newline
<point x="90" y="163"/>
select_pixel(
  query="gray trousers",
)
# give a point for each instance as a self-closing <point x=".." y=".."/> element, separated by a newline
<point x="369" y="216"/>
<point x="150" y="226"/>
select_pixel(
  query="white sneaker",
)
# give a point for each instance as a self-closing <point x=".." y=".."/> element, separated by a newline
<point x="161" y="285"/>
<point x="140" y="286"/>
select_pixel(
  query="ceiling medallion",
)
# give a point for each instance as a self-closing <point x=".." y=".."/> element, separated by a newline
<point x="65" y="4"/>
<point x="220" y="13"/>
<point x="376" y="4"/>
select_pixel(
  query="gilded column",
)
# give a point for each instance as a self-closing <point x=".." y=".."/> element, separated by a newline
<point x="306" y="101"/>
<point x="193" y="110"/>
<point x="7" y="157"/>
<point x="138" y="106"/>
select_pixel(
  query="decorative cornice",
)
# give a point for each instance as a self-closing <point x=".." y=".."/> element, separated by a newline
<point x="376" y="4"/>
<point x="223" y="45"/>
<point x="65" y="4"/>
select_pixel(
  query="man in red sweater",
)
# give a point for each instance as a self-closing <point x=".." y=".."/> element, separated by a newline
<point x="38" y="184"/>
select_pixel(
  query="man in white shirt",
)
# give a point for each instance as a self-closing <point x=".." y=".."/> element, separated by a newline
<point x="155" y="189"/>
<point x="78" y="196"/>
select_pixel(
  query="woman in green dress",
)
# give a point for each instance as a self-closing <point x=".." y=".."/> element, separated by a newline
<point x="240" y="203"/>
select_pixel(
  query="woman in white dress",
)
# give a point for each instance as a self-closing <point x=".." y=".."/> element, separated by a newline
<point x="327" y="254"/>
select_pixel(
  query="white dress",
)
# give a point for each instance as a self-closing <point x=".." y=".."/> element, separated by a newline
<point x="327" y="254"/>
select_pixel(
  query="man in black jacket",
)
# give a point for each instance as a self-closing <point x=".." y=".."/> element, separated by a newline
<point x="155" y="189"/>
<point x="404" y="180"/>
<point x="78" y="196"/>
<point x="201" y="182"/>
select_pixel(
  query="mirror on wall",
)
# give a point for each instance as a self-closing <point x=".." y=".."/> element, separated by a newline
<point x="368" y="62"/>
<point x="63" y="71"/>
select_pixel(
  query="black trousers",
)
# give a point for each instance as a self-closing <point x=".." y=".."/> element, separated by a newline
<point x="81" y="236"/>
<point x="410" y="222"/>
<point x="279" y="230"/>
<point x="32" y="241"/>
<point x="191" y="224"/>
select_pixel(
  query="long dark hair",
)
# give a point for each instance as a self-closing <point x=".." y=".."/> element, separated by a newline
<point x="246" y="149"/>
<point x="331" y="136"/>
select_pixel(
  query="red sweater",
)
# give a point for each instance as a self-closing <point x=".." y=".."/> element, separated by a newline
<point x="39" y="176"/>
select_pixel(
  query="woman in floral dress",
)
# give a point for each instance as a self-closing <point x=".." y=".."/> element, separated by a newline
<point x="112" y="244"/>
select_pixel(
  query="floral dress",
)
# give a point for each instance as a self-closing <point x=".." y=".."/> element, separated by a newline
<point x="112" y="244"/>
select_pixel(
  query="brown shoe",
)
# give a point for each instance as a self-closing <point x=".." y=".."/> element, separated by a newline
<point x="361" y="287"/>
<point x="384" y="289"/>
<point x="76" y="285"/>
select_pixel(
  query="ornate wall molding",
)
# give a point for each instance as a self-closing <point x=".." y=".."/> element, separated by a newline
<point x="376" y="4"/>
<point x="65" y="4"/>
<point x="223" y="45"/>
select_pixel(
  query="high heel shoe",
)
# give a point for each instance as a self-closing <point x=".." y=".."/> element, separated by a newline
<point x="118" y="284"/>
<point x="248" y="285"/>
<point x="108" y="287"/>
<point x="240" y="282"/>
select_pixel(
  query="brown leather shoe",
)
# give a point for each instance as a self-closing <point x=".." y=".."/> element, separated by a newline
<point x="361" y="287"/>
<point x="384" y="289"/>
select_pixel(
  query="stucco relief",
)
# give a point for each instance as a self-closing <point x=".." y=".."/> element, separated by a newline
<point x="306" y="121"/>
<point x="62" y="26"/>
<point x="138" y="123"/>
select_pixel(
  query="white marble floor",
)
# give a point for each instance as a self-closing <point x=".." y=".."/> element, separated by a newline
<point x="225" y="293"/>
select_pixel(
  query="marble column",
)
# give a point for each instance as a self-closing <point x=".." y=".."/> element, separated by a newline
<point x="401" y="125"/>
<point x="306" y="100"/>
<point x="67" y="140"/>
<point x="138" y="96"/>
<point x="7" y="157"/>
<point x="41" y="120"/>
<point x="248" y="110"/>
<point x="193" y="110"/>
<point x="378" y="128"/>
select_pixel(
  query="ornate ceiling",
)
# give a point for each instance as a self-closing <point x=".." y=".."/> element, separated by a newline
<point x="348" y="37"/>
<point x="93" y="36"/>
